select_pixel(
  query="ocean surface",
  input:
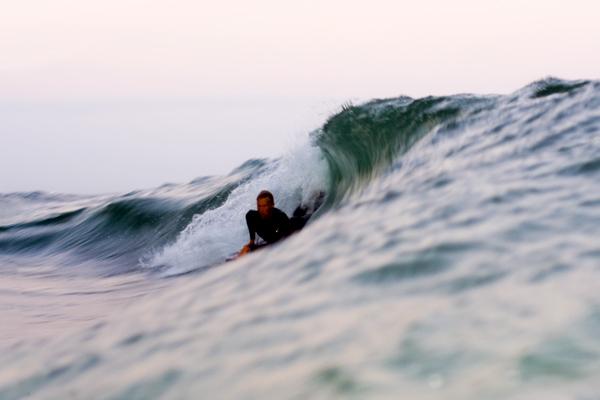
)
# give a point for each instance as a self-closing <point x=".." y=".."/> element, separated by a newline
<point x="456" y="256"/>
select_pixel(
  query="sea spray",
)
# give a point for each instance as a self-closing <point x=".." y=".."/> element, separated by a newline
<point x="217" y="233"/>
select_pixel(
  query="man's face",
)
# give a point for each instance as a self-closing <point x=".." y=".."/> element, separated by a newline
<point x="264" y="207"/>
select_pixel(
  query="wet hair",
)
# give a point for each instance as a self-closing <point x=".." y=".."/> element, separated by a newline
<point x="265" y="194"/>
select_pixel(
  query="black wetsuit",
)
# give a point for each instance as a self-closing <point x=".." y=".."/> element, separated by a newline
<point x="275" y="228"/>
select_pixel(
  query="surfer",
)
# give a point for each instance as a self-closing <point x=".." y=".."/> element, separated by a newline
<point x="269" y="222"/>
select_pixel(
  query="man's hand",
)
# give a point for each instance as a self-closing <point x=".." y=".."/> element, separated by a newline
<point x="246" y="249"/>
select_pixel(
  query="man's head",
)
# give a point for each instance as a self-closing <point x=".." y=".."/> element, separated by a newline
<point x="265" y="203"/>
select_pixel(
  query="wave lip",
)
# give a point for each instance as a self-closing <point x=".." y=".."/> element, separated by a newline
<point x="362" y="141"/>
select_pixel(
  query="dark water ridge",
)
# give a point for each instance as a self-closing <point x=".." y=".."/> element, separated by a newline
<point x="119" y="229"/>
<point x="456" y="257"/>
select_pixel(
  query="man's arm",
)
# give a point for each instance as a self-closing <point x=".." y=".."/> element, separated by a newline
<point x="251" y="228"/>
<point x="248" y="247"/>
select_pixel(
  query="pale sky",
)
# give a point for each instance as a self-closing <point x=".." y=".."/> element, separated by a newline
<point x="115" y="95"/>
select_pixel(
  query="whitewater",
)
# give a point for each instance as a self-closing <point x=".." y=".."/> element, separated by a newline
<point x="456" y="256"/>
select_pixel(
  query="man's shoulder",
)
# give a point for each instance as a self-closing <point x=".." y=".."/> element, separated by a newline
<point x="279" y="213"/>
<point x="252" y="214"/>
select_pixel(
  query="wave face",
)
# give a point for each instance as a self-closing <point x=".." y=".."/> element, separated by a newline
<point x="456" y="256"/>
<point x="125" y="233"/>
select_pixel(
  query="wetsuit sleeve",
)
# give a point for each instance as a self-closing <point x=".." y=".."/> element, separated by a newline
<point x="251" y="227"/>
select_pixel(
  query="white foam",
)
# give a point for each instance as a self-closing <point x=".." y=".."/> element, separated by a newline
<point x="217" y="233"/>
